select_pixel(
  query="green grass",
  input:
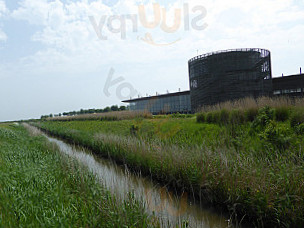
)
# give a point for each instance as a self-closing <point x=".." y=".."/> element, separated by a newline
<point x="39" y="187"/>
<point x="254" y="169"/>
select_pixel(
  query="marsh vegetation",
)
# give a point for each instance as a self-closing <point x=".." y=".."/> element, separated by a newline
<point x="247" y="159"/>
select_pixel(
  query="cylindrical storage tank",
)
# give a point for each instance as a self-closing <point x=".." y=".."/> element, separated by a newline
<point x="229" y="75"/>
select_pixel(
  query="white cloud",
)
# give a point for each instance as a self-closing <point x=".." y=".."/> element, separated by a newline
<point x="71" y="42"/>
<point x="3" y="8"/>
<point x="70" y="37"/>
<point x="3" y="12"/>
<point x="3" y="36"/>
<point x="33" y="11"/>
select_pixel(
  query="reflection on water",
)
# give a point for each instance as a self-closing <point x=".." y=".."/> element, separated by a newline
<point x="158" y="200"/>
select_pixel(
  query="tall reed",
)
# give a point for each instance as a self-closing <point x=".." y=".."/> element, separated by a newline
<point x="251" y="103"/>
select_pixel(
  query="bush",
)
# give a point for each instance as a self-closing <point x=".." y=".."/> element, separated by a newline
<point x="277" y="135"/>
<point x="109" y="118"/>
<point x="300" y="129"/>
<point x="296" y="119"/>
<point x="224" y="116"/>
<point x="216" y="117"/>
<point x="264" y="116"/>
<point x="251" y="114"/>
<point x="209" y="117"/>
<point x="201" y="118"/>
<point x="281" y="114"/>
<point x="178" y="115"/>
<point x="174" y="115"/>
<point x="236" y="117"/>
<point x="189" y="115"/>
<point x="134" y="130"/>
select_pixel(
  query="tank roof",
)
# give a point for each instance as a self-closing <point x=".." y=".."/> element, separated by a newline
<point x="260" y="50"/>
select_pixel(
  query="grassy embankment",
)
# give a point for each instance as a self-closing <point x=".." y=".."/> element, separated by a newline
<point x="39" y="187"/>
<point x="246" y="157"/>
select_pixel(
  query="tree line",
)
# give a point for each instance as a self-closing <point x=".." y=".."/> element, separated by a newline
<point x="113" y="108"/>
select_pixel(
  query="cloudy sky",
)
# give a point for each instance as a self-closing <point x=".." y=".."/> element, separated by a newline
<point x="63" y="55"/>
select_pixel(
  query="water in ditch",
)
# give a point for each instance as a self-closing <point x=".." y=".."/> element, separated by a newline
<point x="178" y="210"/>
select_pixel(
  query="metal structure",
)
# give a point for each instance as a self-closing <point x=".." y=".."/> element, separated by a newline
<point x="227" y="75"/>
<point x="167" y="103"/>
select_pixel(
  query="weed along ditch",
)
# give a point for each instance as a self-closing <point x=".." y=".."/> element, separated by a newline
<point x="246" y="159"/>
<point x="172" y="209"/>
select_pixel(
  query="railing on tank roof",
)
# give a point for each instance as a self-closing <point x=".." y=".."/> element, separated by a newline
<point x="264" y="52"/>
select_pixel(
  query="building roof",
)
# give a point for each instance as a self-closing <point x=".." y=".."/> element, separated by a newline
<point x="158" y="96"/>
<point x="287" y="77"/>
<point x="260" y="50"/>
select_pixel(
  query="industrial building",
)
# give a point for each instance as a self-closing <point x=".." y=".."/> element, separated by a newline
<point x="167" y="103"/>
<point x="292" y="85"/>
<point x="228" y="75"/>
<point x="220" y="76"/>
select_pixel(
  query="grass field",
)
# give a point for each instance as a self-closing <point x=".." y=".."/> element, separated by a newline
<point x="39" y="187"/>
<point x="251" y="164"/>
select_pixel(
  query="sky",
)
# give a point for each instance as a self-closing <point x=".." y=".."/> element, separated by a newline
<point x="64" y="55"/>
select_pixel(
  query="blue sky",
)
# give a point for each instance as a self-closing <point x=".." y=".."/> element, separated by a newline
<point x="52" y="60"/>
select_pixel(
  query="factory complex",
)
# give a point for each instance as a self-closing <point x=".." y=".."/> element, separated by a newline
<point x="222" y="76"/>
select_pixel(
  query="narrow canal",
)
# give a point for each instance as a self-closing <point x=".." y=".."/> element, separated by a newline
<point x="172" y="210"/>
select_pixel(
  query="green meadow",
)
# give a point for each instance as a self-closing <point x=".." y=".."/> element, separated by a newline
<point x="40" y="187"/>
<point x="247" y="160"/>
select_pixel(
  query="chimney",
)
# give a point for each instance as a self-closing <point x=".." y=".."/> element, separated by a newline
<point x="300" y="70"/>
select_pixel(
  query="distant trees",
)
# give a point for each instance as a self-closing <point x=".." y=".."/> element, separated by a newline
<point x="46" y="116"/>
<point x="113" y="108"/>
<point x="123" y="108"/>
<point x="107" y="109"/>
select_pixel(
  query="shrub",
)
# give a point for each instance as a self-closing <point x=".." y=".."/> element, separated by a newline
<point x="209" y="117"/>
<point x="189" y="115"/>
<point x="201" y="118"/>
<point x="277" y="135"/>
<point x="300" y="129"/>
<point x="224" y="116"/>
<point x="216" y="117"/>
<point x="176" y="115"/>
<point x="109" y="118"/>
<point x="281" y="114"/>
<point x="265" y="115"/>
<point x="236" y="117"/>
<point x="296" y="119"/>
<point x="250" y="114"/>
<point x="134" y="130"/>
